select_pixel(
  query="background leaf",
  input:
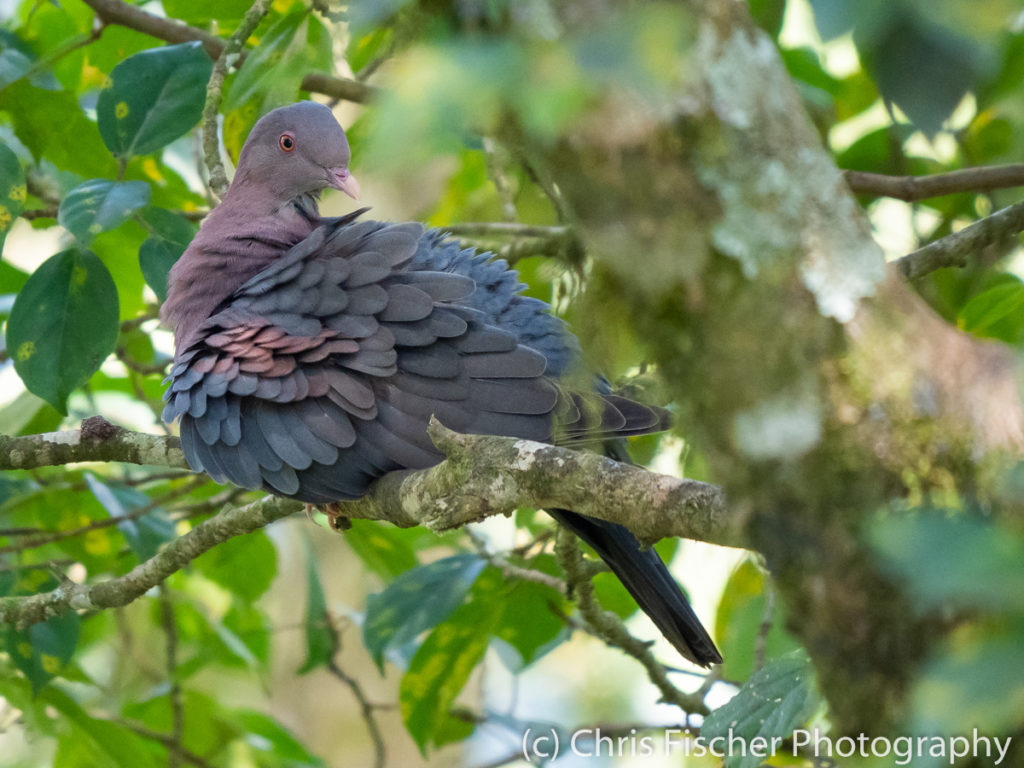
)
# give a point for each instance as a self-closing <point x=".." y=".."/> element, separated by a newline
<point x="63" y="324"/>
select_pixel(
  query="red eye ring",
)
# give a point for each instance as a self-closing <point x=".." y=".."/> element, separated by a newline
<point x="286" y="142"/>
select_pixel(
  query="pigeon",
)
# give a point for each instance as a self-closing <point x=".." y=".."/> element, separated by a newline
<point x="311" y="352"/>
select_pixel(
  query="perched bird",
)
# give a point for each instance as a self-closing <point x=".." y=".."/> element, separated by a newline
<point x="311" y="352"/>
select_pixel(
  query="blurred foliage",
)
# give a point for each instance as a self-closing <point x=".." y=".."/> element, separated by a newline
<point x="98" y="140"/>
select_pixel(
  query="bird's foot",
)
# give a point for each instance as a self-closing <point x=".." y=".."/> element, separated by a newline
<point x="336" y="520"/>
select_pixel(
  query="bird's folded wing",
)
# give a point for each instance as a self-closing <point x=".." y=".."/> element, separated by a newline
<point x="321" y="372"/>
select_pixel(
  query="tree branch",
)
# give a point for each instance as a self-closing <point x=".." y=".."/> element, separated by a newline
<point x="214" y="89"/>
<point x="125" y="15"/>
<point x="483" y="475"/>
<point x="953" y="250"/>
<point x="913" y="188"/>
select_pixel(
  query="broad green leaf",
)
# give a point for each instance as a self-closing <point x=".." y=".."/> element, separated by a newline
<point x="63" y="325"/>
<point x="97" y="205"/>
<point x="244" y="565"/>
<point x="12" y="190"/>
<point x="146" y="534"/>
<point x="152" y="98"/>
<point x="294" y="46"/>
<point x="110" y="744"/>
<point x="42" y="650"/>
<point x="265" y="734"/>
<point x="738" y="622"/>
<point x="320" y="639"/>
<point x="170" y="236"/>
<point x="528" y="622"/>
<point x="772" y="703"/>
<point x="997" y="312"/>
<point x="383" y="548"/>
<point x="439" y="670"/>
<point x="416" y="601"/>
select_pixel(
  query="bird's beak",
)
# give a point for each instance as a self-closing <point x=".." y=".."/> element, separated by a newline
<point x="340" y="178"/>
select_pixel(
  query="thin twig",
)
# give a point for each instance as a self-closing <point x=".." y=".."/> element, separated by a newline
<point x="611" y="629"/>
<point x="912" y="188"/>
<point x="365" y="705"/>
<point x="500" y="561"/>
<point x="953" y="250"/>
<point x="187" y="755"/>
<point x="214" y="90"/>
<point x="174" y="747"/>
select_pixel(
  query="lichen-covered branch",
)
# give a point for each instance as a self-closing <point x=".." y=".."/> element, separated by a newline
<point x="125" y="15"/>
<point x="486" y="475"/>
<point x="955" y="249"/>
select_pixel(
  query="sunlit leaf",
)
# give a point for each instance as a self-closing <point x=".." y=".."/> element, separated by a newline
<point x="63" y="325"/>
<point x="997" y="312"/>
<point x="266" y="735"/>
<point x="244" y="565"/>
<point x="153" y="97"/>
<point x="42" y="650"/>
<point x="440" y="668"/>
<point x="97" y="205"/>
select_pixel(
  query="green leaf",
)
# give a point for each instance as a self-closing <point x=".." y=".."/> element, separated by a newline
<point x="384" y="548"/>
<point x="741" y="613"/>
<point x="201" y="13"/>
<point x="416" y="601"/>
<point x="772" y="703"/>
<point x="265" y="734"/>
<point x="996" y="313"/>
<point x="12" y="190"/>
<point x="170" y="236"/>
<point x="244" y="565"/>
<point x="110" y="744"/>
<point x="97" y="205"/>
<point x="320" y="639"/>
<point x="42" y="650"/>
<point x="146" y="534"/>
<point x="63" y="324"/>
<point x="439" y="670"/>
<point x="294" y="46"/>
<point x="152" y="98"/>
<point x="528" y="622"/>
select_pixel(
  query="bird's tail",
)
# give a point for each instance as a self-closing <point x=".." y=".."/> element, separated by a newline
<point x="648" y="580"/>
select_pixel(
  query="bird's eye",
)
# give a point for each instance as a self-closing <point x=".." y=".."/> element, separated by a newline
<point x="286" y="142"/>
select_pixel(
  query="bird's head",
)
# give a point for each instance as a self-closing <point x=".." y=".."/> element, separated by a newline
<point x="296" y="150"/>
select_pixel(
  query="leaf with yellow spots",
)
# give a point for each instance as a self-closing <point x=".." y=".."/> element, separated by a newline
<point x="63" y="324"/>
<point x="12" y="178"/>
<point x="154" y="97"/>
<point x="44" y="649"/>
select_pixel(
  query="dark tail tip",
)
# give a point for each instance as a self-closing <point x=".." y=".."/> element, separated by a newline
<point x="648" y="580"/>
